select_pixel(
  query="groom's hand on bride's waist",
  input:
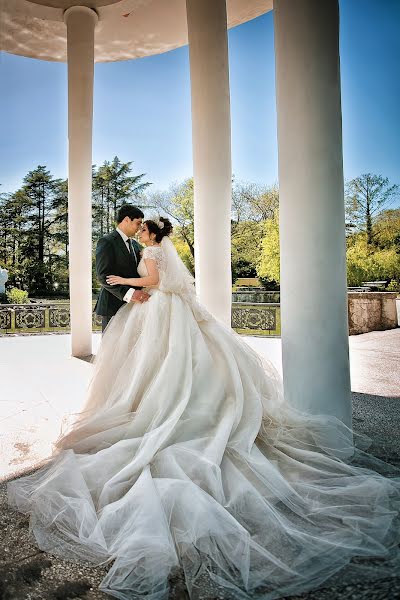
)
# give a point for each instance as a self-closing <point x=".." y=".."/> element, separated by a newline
<point x="133" y="295"/>
<point x="139" y="296"/>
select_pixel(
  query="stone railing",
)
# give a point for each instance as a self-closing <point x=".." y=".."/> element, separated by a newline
<point x="255" y="296"/>
<point x="250" y="318"/>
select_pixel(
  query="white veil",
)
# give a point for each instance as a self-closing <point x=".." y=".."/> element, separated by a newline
<point x="176" y="278"/>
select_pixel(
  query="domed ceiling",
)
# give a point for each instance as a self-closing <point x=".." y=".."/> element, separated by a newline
<point x="126" y="29"/>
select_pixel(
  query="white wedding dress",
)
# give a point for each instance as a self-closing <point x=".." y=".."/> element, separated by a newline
<point x="186" y="456"/>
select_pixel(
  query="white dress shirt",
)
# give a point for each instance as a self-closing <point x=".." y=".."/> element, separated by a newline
<point x="129" y="293"/>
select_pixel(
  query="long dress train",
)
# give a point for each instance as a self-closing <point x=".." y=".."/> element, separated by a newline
<point x="186" y="456"/>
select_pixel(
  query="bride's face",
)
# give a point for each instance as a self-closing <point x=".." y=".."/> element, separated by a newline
<point x="145" y="237"/>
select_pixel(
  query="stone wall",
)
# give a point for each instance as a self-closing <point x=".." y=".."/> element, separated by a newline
<point x="371" y="311"/>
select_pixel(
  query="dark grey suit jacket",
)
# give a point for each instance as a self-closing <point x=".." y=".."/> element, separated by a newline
<point x="114" y="258"/>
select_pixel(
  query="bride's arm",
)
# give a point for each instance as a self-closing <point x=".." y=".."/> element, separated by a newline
<point x="151" y="279"/>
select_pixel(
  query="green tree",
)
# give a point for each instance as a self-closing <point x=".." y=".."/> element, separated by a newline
<point x="253" y="202"/>
<point x="386" y="229"/>
<point x="246" y="248"/>
<point x="57" y="246"/>
<point x="100" y="200"/>
<point x="113" y="185"/>
<point x="366" y="195"/>
<point x="42" y="190"/>
<point x="178" y="204"/>
<point x="18" y="207"/>
<point x="268" y="266"/>
<point x="60" y="216"/>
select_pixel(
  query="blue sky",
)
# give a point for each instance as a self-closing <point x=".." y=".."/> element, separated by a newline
<point x="142" y="107"/>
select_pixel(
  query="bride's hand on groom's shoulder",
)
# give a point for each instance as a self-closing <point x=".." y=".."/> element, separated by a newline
<point x="115" y="280"/>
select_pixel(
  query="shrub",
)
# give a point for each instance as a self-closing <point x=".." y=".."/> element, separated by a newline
<point x="242" y="269"/>
<point x="270" y="286"/>
<point x="366" y="263"/>
<point x="16" y="296"/>
<point x="394" y="286"/>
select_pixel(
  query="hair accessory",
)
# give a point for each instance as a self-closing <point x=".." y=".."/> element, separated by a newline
<point x="159" y="223"/>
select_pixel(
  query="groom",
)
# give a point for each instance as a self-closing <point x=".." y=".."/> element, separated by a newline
<point x="117" y="254"/>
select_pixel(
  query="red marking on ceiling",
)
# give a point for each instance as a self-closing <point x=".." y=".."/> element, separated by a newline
<point x="127" y="15"/>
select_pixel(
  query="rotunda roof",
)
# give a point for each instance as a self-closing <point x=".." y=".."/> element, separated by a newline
<point x="126" y="29"/>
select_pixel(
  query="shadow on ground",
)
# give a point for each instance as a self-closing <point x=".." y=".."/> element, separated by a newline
<point x="27" y="573"/>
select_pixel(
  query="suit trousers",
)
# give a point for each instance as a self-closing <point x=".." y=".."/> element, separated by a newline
<point x="104" y="322"/>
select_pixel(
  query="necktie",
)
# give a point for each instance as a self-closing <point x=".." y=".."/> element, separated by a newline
<point x="131" y="250"/>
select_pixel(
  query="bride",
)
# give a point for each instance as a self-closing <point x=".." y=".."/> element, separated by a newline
<point x="186" y="456"/>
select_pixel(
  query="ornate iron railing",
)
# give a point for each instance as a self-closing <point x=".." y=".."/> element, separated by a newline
<point x="38" y="318"/>
<point x="256" y="318"/>
<point x="250" y="318"/>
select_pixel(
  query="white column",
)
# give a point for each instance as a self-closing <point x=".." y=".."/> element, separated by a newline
<point x="312" y="232"/>
<point x="81" y="22"/>
<point x="209" y="73"/>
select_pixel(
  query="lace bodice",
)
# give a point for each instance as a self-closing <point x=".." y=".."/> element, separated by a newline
<point x="154" y="252"/>
<point x="175" y="280"/>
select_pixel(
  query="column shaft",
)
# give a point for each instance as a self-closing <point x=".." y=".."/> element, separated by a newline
<point x="80" y="23"/>
<point x="209" y="72"/>
<point x="312" y="231"/>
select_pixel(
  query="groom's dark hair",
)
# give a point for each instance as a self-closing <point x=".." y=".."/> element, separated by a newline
<point x="129" y="210"/>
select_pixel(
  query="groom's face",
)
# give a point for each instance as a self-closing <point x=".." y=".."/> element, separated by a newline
<point x="133" y="226"/>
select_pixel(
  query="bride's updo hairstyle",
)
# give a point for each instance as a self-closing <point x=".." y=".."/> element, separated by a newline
<point x="161" y="227"/>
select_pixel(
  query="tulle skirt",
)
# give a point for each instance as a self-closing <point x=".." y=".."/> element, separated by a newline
<point x="186" y="457"/>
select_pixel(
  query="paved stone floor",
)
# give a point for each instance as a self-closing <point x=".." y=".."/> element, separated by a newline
<point x="32" y="406"/>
